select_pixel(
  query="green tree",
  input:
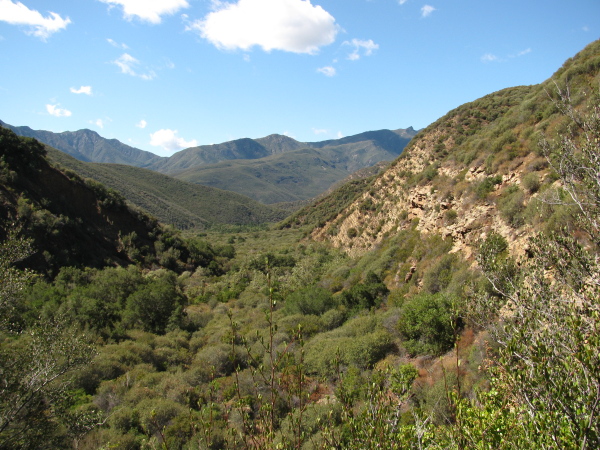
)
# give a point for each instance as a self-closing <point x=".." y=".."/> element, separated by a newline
<point x="156" y="304"/>
<point x="35" y="364"/>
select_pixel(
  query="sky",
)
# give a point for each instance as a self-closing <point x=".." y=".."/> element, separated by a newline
<point x="164" y="75"/>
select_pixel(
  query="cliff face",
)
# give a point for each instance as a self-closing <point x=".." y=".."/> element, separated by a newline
<point x="478" y="169"/>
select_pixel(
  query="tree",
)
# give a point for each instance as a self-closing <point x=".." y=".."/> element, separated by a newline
<point x="35" y="364"/>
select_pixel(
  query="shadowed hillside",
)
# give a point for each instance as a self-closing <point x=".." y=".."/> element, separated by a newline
<point x="172" y="201"/>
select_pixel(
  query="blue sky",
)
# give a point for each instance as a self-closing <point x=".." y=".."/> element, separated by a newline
<point x="162" y="75"/>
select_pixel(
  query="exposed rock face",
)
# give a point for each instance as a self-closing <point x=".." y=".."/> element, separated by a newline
<point x="393" y="207"/>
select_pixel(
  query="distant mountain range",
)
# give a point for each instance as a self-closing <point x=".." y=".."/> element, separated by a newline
<point x="89" y="146"/>
<point x="272" y="169"/>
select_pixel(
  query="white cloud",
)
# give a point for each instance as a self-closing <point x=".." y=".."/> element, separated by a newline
<point x="524" y="52"/>
<point x="99" y="123"/>
<point x="319" y="131"/>
<point x="427" y="10"/>
<point x="87" y="90"/>
<point x="141" y="124"/>
<point x="366" y="46"/>
<point x="40" y="26"/>
<point x="402" y="2"/>
<point x="585" y="28"/>
<point x="340" y="135"/>
<point x="289" y="25"/>
<point x="489" y="57"/>
<point x="327" y="70"/>
<point x="169" y="141"/>
<point x="55" y="111"/>
<point x="128" y="64"/>
<point x="116" y="44"/>
<point x="148" y="10"/>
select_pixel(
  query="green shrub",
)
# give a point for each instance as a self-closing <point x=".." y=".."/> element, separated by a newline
<point x="438" y="277"/>
<point x="531" y="182"/>
<point x="486" y="186"/>
<point x="310" y="300"/>
<point x="427" y="324"/>
<point x="511" y="206"/>
<point x="365" y="295"/>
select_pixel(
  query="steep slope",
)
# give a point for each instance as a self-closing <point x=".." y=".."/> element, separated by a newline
<point x="73" y="222"/>
<point x="87" y="145"/>
<point x="172" y="201"/>
<point x="477" y="169"/>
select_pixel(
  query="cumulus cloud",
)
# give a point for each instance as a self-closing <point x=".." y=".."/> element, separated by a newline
<point x="55" y="111"/>
<point x="141" y="124"/>
<point x="366" y="47"/>
<point x="99" y="123"/>
<point x="39" y="26"/>
<point x="327" y="70"/>
<point x="290" y="25"/>
<point x="427" y="10"/>
<point x="169" y="141"/>
<point x="402" y="2"/>
<point x="87" y="90"/>
<point x="128" y="65"/>
<point x="319" y="131"/>
<point x="148" y="10"/>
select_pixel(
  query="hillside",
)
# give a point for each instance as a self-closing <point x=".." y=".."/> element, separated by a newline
<point x="87" y="145"/>
<point x="172" y="201"/>
<point x="71" y="221"/>
<point x="475" y="170"/>
<point x="460" y="309"/>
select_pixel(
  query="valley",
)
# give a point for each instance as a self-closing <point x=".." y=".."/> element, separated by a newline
<point x="446" y="299"/>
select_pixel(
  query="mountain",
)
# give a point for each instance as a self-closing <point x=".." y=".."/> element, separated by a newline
<point x="238" y="149"/>
<point x="271" y="169"/>
<point x="479" y="169"/>
<point x="87" y="145"/>
<point x="172" y="201"/>
<point x="303" y="173"/>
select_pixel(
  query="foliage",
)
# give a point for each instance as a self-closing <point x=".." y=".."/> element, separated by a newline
<point x="548" y="362"/>
<point x="310" y="300"/>
<point x="366" y="295"/>
<point x="429" y="323"/>
<point x="172" y="201"/>
<point x="35" y="364"/>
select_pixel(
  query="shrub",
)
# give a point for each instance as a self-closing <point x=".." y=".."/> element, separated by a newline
<point x="487" y="185"/>
<point x="511" y="206"/>
<point x="310" y="300"/>
<point x="438" y="277"/>
<point x="531" y="183"/>
<point x="427" y="324"/>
